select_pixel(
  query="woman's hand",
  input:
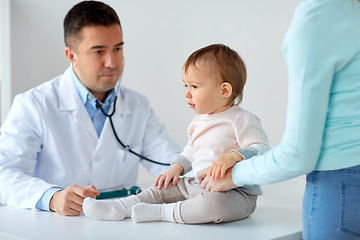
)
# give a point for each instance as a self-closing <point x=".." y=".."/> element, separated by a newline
<point x="200" y="175"/>
<point x="222" y="184"/>
<point x="171" y="175"/>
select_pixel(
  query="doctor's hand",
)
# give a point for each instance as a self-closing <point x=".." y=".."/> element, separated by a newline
<point x="69" y="201"/>
<point x="220" y="185"/>
<point x="172" y="174"/>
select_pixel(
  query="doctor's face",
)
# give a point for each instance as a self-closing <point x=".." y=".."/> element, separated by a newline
<point x="97" y="58"/>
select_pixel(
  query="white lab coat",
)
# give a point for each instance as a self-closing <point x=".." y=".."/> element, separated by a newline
<point x="48" y="140"/>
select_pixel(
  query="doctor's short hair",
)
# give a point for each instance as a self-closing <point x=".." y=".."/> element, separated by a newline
<point x="226" y="63"/>
<point x="87" y="13"/>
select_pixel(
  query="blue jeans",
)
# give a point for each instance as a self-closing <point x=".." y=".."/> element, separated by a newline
<point x="331" y="206"/>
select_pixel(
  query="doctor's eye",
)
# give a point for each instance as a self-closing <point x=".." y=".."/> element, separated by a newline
<point x="98" y="52"/>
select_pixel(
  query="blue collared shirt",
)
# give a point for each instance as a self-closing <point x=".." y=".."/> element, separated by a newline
<point x="89" y="101"/>
<point x="98" y="119"/>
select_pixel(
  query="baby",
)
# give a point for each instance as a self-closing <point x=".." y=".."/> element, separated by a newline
<point x="220" y="135"/>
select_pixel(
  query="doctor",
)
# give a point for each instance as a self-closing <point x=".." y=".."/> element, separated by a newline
<point x="57" y="147"/>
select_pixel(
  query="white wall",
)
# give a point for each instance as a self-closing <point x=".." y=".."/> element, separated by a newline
<point x="159" y="35"/>
<point x="5" y="58"/>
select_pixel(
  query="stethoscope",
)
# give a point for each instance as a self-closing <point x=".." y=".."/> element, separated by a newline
<point x="126" y="147"/>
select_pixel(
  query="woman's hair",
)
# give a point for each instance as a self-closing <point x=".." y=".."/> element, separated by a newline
<point x="226" y="63"/>
<point x="87" y="13"/>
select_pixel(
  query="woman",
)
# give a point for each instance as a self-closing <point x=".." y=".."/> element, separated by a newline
<point x="322" y="135"/>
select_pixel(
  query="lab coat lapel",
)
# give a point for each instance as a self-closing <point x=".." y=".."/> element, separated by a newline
<point x="122" y="109"/>
<point x="69" y="101"/>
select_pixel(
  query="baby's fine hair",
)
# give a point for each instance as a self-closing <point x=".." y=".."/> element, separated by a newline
<point x="226" y="63"/>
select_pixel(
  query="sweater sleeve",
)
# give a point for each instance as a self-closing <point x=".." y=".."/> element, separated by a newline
<point x="184" y="162"/>
<point x="309" y="50"/>
<point x="252" y="150"/>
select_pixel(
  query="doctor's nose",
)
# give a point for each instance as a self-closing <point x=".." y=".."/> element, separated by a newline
<point x="111" y="61"/>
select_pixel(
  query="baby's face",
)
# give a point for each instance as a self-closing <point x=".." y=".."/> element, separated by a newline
<point x="203" y="90"/>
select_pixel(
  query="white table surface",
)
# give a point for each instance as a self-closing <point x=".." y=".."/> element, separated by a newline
<point x="278" y="215"/>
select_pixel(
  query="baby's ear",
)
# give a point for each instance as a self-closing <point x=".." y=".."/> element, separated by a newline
<point x="226" y="89"/>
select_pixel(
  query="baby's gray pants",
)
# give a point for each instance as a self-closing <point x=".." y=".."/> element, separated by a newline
<point x="196" y="205"/>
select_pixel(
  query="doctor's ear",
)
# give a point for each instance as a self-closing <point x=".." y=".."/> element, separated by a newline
<point x="70" y="55"/>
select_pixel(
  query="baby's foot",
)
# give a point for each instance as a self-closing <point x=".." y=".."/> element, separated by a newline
<point x="145" y="212"/>
<point x="111" y="210"/>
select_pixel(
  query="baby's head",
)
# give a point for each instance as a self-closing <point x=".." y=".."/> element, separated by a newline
<point x="214" y="77"/>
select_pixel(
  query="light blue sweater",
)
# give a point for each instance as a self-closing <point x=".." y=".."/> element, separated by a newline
<point x="322" y="51"/>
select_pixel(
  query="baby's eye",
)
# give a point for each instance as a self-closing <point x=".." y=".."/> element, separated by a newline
<point x="185" y="85"/>
<point x="193" y="86"/>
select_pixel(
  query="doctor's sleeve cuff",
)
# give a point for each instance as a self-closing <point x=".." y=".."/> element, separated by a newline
<point x="252" y="150"/>
<point x="44" y="201"/>
<point x="184" y="162"/>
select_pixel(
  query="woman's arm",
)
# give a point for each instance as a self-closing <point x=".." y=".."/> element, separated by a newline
<point x="309" y="52"/>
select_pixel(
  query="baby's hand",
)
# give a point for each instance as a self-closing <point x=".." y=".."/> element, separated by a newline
<point x="172" y="174"/>
<point x="223" y="163"/>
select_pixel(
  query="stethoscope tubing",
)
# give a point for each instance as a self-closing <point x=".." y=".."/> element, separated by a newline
<point x="126" y="147"/>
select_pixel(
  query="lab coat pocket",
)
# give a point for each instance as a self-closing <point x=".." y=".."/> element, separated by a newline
<point x="127" y="161"/>
<point x="125" y="155"/>
<point x="124" y="168"/>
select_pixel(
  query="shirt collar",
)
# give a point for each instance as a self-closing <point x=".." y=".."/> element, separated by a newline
<point x="84" y="93"/>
